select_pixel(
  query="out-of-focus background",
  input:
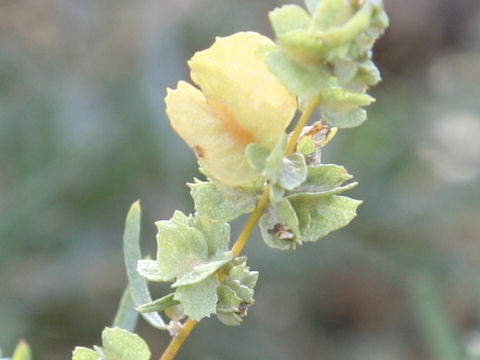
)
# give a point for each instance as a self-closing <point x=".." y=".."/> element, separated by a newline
<point x="83" y="134"/>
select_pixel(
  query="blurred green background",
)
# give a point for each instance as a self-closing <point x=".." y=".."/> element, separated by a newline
<point x="83" y="134"/>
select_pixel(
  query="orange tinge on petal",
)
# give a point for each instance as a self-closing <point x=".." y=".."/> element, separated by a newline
<point x="241" y="102"/>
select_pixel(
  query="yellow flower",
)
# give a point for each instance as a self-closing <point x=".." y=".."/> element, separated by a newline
<point x="241" y="102"/>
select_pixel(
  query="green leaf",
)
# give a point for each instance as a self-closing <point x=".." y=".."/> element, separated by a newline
<point x="323" y="178"/>
<point x="229" y="318"/>
<point x="302" y="80"/>
<point x="331" y="13"/>
<point x="199" y="300"/>
<point x="289" y="18"/>
<point x="159" y="304"/>
<point x="227" y="298"/>
<point x="131" y="250"/>
<point x="217" y="234"/>
<point x="344" y="119"/>
<point x="274" y="161"/>
<point x="275" y="193"/>
<point x="257" y="156"/>
<point x="204" y="270"/>
<point x="357" y="24"/>
<point x="82" y="353"/>
<point x="126" y="317"/>
<point x="22" y="351"/>
<point x="294" y="171"/>
<point x="340" y="100"/>
<point x="306" y="145"/>
<point x="119" y="344"/>
<point x="218" y="202"/>
<point x="279" y="226"/>
<point x="149" y="270"/>
<point x="316" y="195"/>
<point x="179" y="248"/>
<point x="326" y="215"/>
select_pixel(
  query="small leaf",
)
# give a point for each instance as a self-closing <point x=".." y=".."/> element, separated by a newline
<point x="338" y="100"/>
<point x="345" y="119"/>
<point x="323" y="179"/>
<point x="179" y="247"/>
<point x="82" y="353"/>
<point x="279" y="226"/>
<point x="227" y="298"/>
<point x="149" y="270"/>
<point x="274" y="160"/>
<point x="327" y="214"/>
<point x="289" y="18"/>
<point x="202" y="271"/>
<point x="302" y="80"/>
<point x="330" y="14"/>
<point x="126" y="317"/>
<point x="131" y="250"/>
<point x="294" y="171"/>
<point x="159" y="304"/>
<point x="306" y="145"/>
<point x="22" y="351"/>
<point x="199" y="300"/>
<point x="357" y="24"/>
<point x="119" y="344"/>
<point x="229" y="318"/>
<point x="217" y="234"/>
<point x="316" y="195"/>
<point x="220" y="203"/>
<point x="257" y="156"/>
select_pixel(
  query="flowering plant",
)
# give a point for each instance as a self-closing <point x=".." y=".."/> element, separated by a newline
<point x="235" y="121"/>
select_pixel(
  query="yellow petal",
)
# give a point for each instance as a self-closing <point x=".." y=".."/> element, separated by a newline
<point x="203" y="128"/>
<point x="231" y="73"/>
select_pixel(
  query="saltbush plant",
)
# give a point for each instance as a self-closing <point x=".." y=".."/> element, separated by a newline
<point x="246" y="92"/>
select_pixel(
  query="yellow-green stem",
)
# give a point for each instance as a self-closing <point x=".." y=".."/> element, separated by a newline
<point x="177" y="341"/>
<point x="262" y="204"/>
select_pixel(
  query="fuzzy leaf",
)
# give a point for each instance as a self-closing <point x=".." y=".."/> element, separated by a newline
<point x="306" y="145"/>
<point x="126" y="316"/>
<point x="340" y="100"/>
<point x="326" y="215"/>
<point x="217" y="234"/>
<point x="302" y="80"/>
<point x="131" y="249"/>
<point x="323" y="178"/>
<point x="289" y="18"/>
<point x="294" y="171"/>
<point x="218" y="202"/>
<point x="279" y="226"/>
<point x="179" y="247"/>
<point x="199" y="300"/>
<point x="22" y="352"/>
<point x="276" y="193"/>
<point x="257" y="156"/>
<point x="202" y="271"/>
<point x="159" y="304"/>
<point x="82" y="353"/>
<point x="344" y="119"/>
<point x="227" y="298"/>
<point x="119" y="344"/>
<point x="357" y="24"/>
<point x="229" y="318"/>
<point x="273" y="162"/>
<point x="316" y="195"/>
<point x="149" y="270"/>
<point x="331" y="13"/>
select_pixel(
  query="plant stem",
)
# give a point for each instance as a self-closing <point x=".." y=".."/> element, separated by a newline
<point x="178" y="341"/>
<point x="262" y="204"/>
<point x="307" y="114"/>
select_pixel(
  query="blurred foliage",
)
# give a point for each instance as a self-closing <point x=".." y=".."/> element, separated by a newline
<point x="83" y="134"/>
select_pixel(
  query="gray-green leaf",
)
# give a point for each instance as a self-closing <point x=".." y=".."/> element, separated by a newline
<point x="119" y="344"/>
<point x="159" y="304"/>
<point x="326" y="214"/>
<point x="82" y="353"/>
<point x="219" y="203"/>
<point x="279" y="226"/>
<point x="199" y="300"/>
<point x="294" y="171"/>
